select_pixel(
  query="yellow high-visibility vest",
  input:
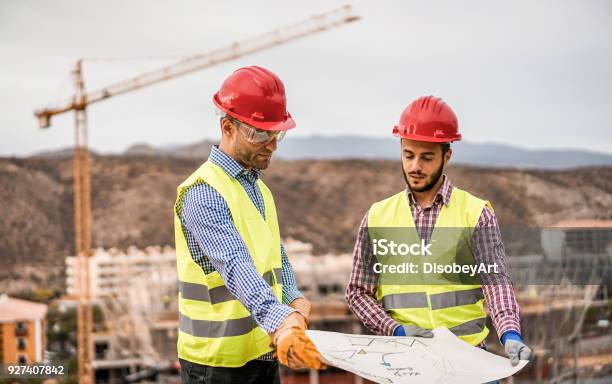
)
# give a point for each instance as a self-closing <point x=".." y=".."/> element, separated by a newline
<point x="214" y="328"/>
<point x="425" y="302"/>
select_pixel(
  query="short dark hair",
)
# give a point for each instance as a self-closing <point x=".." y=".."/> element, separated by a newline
<point x="445" y="147"/>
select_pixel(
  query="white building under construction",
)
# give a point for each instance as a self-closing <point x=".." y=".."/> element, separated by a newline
<point x="109" y="270"/>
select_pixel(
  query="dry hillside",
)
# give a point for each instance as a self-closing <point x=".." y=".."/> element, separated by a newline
<point x="318" y="201"/>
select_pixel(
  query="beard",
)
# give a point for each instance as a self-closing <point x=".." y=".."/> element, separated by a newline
<point x="261" y="163"/>
<point x="253" y="159"/>
<point x="434" y="179"/>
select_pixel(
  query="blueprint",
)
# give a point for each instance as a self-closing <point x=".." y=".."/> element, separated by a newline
<point x="443" y="359"/>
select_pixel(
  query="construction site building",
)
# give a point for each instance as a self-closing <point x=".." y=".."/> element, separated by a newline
<point x="109" y="269"/>
<point x="23" y="327"/>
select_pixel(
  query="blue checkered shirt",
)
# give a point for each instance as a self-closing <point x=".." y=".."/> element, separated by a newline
<point x="216" y="245"/>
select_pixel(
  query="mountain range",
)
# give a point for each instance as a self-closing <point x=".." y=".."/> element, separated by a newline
<point x="361" y="147"/>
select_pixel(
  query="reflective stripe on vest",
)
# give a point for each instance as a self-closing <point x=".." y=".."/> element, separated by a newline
<point x="210" y="328"/>
<point x="438" y="300"/>
<point x="405" y="300"/>
<point x="460" y="308"/>
<point x="469" y="327"/>
<point x="453" y="299"/>
<point x="220" y="294"/>
<point x="215" y="329"/>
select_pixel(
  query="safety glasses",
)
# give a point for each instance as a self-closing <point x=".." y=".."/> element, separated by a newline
<point x="258" y="136"/>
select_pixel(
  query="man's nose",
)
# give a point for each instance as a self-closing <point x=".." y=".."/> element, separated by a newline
<point x="271" y="146"/>
<point x="414" y="165"/>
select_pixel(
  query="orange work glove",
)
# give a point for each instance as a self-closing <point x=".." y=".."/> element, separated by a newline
<point x="293" y="348"/>
<point x="302" y="306"/>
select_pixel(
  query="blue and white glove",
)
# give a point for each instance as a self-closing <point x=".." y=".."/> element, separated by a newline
<point x="412" y="330"/>
<point x="515" y="347"/>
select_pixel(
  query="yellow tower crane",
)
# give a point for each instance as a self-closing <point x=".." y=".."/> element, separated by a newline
<point x="82" y="99"/>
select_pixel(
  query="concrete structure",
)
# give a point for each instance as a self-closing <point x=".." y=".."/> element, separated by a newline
<point x="22" y="331"/>
<point x="571" y="238"/>
<point x="110" y="269"/>
<point x="319" y="276"/>
<point x="134" y="289"/>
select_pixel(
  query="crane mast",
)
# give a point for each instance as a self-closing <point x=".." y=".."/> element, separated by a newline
<point x="82" y="220"/>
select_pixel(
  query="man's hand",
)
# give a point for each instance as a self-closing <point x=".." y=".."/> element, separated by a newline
<point x="293" y="347"/>
<point x="515" y="348"/>
<point x="412" y="330"/>
<point x="302" y="306"/>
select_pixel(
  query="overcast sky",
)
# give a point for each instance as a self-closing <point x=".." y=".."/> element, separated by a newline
<point x="535" y="74"/>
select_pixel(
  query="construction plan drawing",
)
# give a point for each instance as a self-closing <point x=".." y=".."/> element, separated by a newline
<point x="443" y="359"/>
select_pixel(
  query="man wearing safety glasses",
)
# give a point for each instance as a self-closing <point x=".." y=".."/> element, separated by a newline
<point x="239" y="306"/>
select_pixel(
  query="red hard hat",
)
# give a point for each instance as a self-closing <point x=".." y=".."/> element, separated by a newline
<point x="428" y="118"/>
<point x="255" y="96"/>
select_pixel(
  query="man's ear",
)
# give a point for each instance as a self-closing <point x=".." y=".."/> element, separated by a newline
<point x="447" y="155"/>
<point x="227" y="128"/>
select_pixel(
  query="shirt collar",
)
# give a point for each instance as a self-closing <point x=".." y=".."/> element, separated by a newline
<point x="445" y="191"/>
<point x="443" y="194"/>
<point x="230" y="165"/>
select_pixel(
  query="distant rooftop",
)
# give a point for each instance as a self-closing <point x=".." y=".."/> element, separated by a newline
<point x="132" y="251"/>
<point x="584" y="223"/>
<point x="16" y="309"/>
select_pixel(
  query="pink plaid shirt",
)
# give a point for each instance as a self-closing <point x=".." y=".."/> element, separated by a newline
<point x="487" y="248"/>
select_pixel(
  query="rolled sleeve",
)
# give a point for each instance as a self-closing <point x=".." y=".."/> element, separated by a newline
<point x="497" y="287"/>
<point x="290" y="289"/>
